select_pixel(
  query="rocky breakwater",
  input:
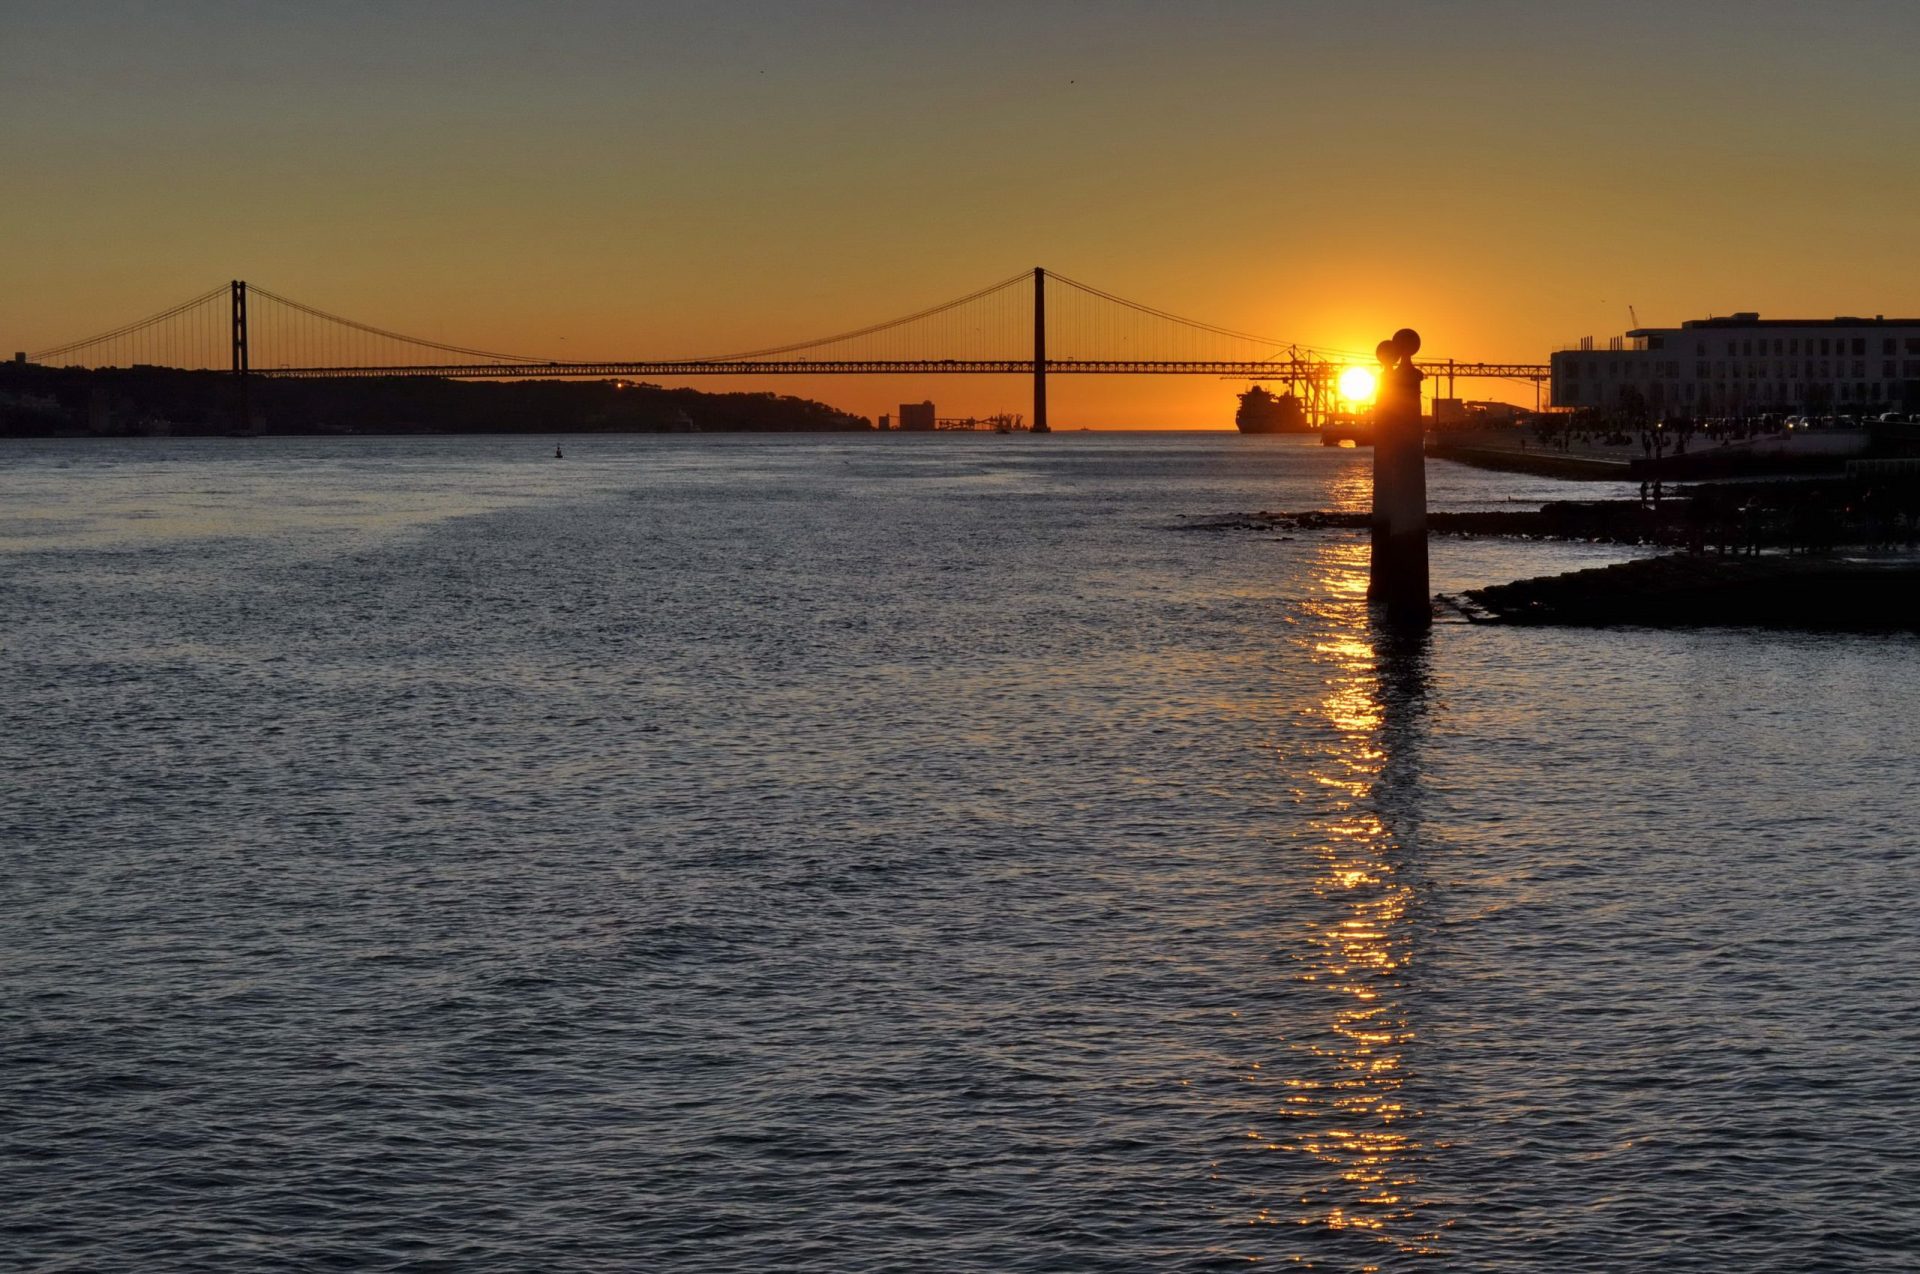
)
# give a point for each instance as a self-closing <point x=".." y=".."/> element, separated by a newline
<point x="1817" y="593"/>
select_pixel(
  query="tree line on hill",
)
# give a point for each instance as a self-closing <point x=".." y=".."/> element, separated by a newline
<point x="38" y="401"/>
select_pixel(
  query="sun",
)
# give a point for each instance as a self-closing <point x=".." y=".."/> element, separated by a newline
<point x="1356" y="385"/>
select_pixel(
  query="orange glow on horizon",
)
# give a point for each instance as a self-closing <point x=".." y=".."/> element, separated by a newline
<point x="1359" y="226"/>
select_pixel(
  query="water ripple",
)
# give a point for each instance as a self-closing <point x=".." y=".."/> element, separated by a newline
<point x="846" y="854"/>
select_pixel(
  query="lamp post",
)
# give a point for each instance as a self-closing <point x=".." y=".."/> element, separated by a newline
<point x="1398" y="575"/>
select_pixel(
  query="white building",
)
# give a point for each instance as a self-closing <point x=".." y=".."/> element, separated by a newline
<point x="1746" y="365"/>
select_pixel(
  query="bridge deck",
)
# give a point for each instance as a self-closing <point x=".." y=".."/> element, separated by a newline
<point x="880" y="367"/>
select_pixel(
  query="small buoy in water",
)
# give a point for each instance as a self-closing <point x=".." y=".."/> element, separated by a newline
<point x="557" y="455"/>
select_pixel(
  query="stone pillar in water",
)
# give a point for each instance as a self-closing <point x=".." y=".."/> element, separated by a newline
<point x="1398" y="576"/>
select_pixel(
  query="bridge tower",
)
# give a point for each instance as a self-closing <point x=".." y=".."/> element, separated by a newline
<point x="240" y="368"/>
<point x="1040" y="425"/>
<point x="239" y="328"/>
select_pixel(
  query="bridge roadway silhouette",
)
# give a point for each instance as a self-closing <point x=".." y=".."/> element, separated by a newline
<point x="251" y="331"/>
<point x="1251" y="369"/>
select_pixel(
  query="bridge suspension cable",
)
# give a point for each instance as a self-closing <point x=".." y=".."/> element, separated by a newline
<point x="991" y="330"/>
<point x="184" y="335"/>
<point x="303" y="327"/>
<point x="995" y="323"/>
<point x="1104" y="295"/>
<point x="200" y="333"/>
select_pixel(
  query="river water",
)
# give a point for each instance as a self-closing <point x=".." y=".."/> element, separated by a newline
<point x="874" y="853"/>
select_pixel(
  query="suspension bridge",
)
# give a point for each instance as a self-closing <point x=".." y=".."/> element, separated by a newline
<point x="1033" y="324"/>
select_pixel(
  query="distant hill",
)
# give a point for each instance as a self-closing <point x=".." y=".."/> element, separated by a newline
<point x="38" y="401"/>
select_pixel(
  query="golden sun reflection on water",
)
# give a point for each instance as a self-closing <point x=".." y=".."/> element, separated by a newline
<point x="1352" y="492"/>
<point x="1343" y="1104"/>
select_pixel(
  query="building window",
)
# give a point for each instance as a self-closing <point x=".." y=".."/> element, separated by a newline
<point x="1793" y="346"/>
<point x="1824" y="351"/>
<point x="1859" y="368"/>
<point x="1913" y="345"/>
<point x="1859" y="344"/>
<point x="1886" y="368"/>
<point x="1886" y="346"/>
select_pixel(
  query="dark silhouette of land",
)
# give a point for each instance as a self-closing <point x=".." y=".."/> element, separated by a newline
<point x="38" y="401"/>
<point x="1819" y="554"/>
<point x="1812" y="516"/>
<point x="1684" y="591"/>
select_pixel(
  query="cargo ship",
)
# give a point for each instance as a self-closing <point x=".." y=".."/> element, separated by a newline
<point x="1262" y="412"/>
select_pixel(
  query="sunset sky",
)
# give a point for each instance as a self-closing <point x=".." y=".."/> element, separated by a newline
<point x="652" y="180"/>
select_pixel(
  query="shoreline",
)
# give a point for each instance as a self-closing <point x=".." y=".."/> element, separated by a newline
<point x="1829" y="555"/>
<point x="1813" y="455"/>
<point x="1546" y="464"/>
<point x="1684" y="590"/>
